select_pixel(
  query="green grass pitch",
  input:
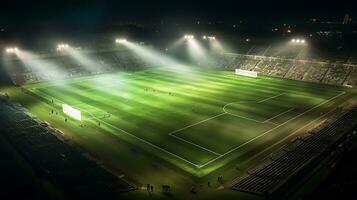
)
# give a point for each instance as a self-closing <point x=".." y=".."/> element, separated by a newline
<point x="197" y="121"/>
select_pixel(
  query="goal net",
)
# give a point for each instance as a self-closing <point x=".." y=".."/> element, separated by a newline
<point x="72" y="112"/>
<point x="246" y="73"/>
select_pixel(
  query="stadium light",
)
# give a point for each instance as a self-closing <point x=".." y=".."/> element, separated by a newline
<point x="298" y="41"/>
<point x="11" y="50"/>
<point x="61" y="47"/>
<point x="205" y="37"/>
<point x="212" y="38"/>
<point x="189" y="37"/>
<point x="120" y="40"/>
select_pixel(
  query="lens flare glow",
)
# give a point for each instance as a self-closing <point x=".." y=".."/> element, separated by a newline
<point x="86" y="62"/>
<point x="155" y="58"/>
<point x="45" y="69"/>
<point x="196" y="51"/>
<point x="11" y="50"/>
<point x="120" y="40"/>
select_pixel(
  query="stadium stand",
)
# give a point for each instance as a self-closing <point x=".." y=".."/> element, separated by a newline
<point x="327" y="72"/>
<point x="63" y="165"/>
<point x="265" y="62"/>
<point x="104" y="61"/>
<point x="342" y="182"/>
<point x="297" y="157"/>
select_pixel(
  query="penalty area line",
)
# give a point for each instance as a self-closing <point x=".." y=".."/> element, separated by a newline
<point x="178" y="130"/>
<point x="146" y="142"/>
<point x="134" y="136"/>
<point x="179" y="138"/>
<point x="191" y="143"/>
<point x="273" y="97"/>
<point x="261" y="135"/>
<point x="279" y="114"/>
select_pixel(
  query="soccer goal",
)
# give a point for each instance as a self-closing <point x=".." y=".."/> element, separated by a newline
<point x="246" y="73"/>
<point x="72" y="112"/>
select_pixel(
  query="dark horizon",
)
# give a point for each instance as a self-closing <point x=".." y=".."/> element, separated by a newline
<point x="111" y="12"/>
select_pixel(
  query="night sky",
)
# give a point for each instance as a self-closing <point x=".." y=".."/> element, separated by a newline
<point x="91" y="12"/>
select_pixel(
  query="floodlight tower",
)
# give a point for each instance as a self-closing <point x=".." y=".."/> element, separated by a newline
<point x="298" y="41"/>
<point x="62" y="47"/>
<point x="212" y="38"/>
<point x="11" y="50"/>
<point x="189" y="37"/>
<point x="120" y="40"/>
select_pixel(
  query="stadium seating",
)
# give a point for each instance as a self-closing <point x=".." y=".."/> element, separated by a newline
<point x="295" y="157"/>
<point x="57" y="161"/>
<point x="335" y="73"/>
<point x="105" y="61"/>
<point x="264" y="61"/>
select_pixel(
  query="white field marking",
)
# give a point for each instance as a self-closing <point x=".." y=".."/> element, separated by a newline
<point x="221" y="155"/>
<point x="178" y="130"/>
<point x="249" y="141"/>
<point x="146" y="142"/>
<point x="273" y="97"/>
<point x="50" y="97"/>
<point x="78" y="104"/>
<point x="205" y="120"/>
<point x="247" y="118"/>
<point x="142" y="140"/>
<point x="286" y="137"/>
<point x="279" y="114"/>
<point x="179" y="138"/>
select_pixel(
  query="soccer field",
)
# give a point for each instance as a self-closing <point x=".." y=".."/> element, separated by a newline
<point x="198" y="121"/>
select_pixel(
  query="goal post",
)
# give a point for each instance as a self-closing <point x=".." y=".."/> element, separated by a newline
<point x="72" y="112"/>
<point x="246" y="73"/>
